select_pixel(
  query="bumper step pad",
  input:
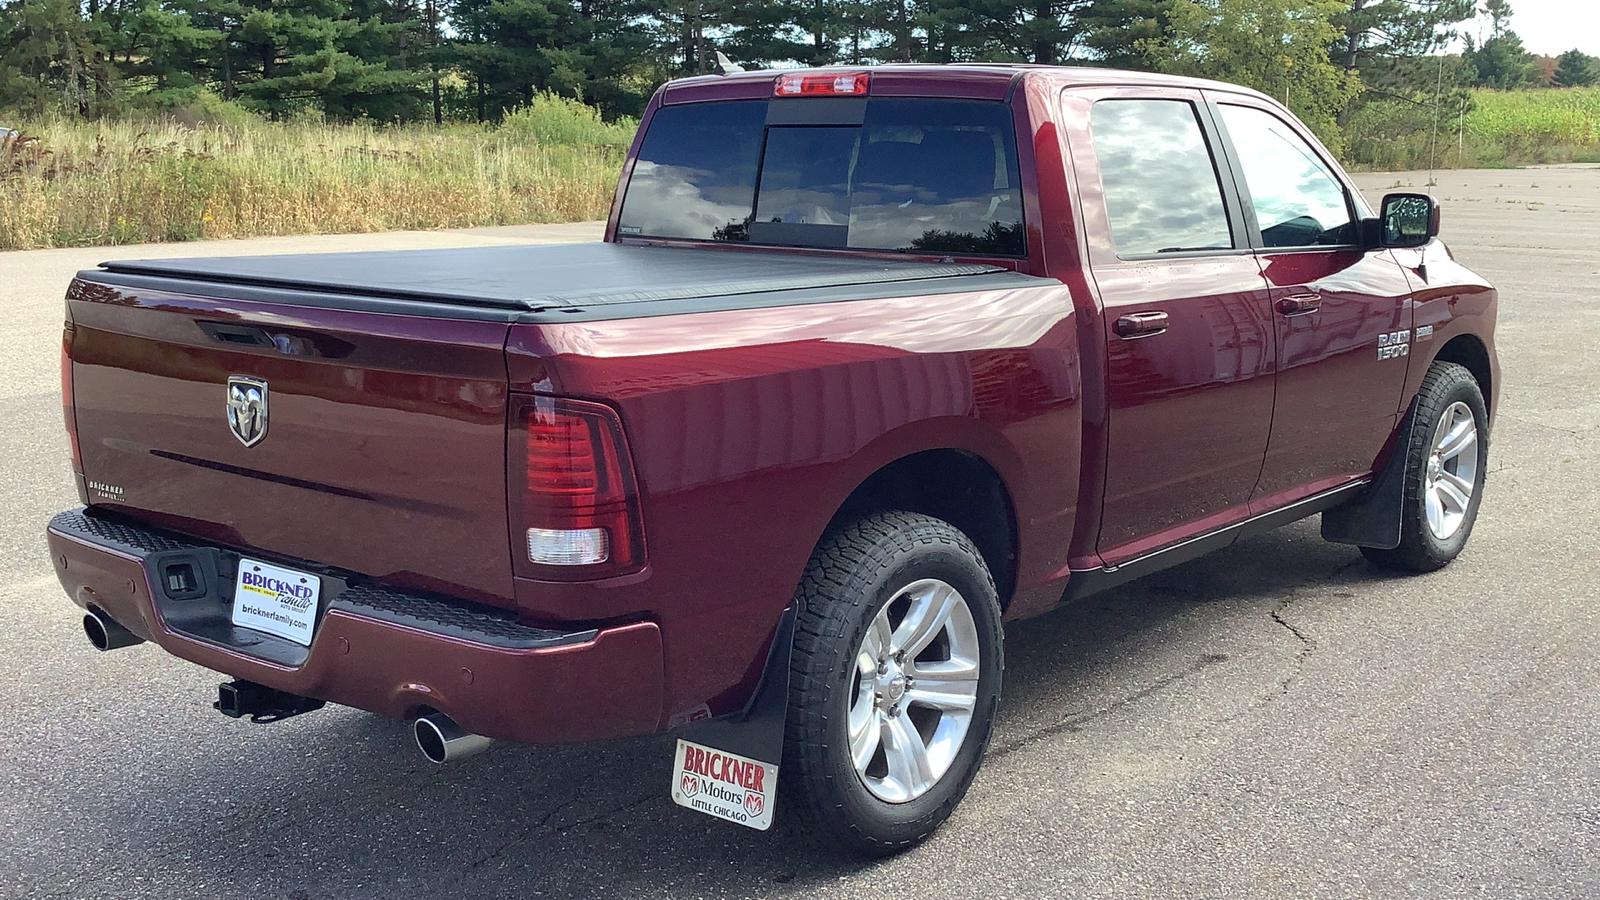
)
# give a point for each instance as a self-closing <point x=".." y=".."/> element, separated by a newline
<point x="452" y="618"/>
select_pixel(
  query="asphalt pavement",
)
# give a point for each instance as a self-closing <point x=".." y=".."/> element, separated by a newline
<point x="1279" y="719"/>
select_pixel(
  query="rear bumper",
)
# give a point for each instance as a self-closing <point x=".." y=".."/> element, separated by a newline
<point x="392" y="653"/>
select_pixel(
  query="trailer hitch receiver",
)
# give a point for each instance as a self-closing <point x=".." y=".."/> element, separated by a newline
<point x="237" y="699"/>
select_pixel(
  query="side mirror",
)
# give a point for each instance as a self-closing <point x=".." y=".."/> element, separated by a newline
<point x="1408" y="220"/>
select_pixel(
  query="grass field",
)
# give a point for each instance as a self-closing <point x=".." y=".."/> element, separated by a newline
<point x="1537" y="126"/>
<point x="1502" y="128"/>
<point x="74" y="183"/>
<point x="67" y="182"/>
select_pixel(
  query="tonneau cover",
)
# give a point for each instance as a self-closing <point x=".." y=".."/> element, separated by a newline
<point x="535" y="277"/>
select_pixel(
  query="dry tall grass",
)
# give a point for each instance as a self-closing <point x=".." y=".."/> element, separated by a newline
<point x="71" y="183"/>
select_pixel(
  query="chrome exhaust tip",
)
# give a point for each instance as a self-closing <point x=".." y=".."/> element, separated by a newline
<point x="104" y="632"/>
<point x="441" y="740"/>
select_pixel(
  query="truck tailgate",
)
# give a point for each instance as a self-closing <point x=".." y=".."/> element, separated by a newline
<point x="384" y="445"/>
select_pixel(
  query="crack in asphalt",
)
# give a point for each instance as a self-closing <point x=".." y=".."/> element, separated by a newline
<point x="1077" y="722"/>
<point x="1308" y="644"/>
<point x="1072" y="723"/>
<point x="544" y="825"/>
<point x="1586" y="816"/>
<point x="1566" y="431"/>
<point x="523" y="835"/>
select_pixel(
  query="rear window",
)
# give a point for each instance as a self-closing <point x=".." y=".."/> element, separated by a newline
<point x="907" y="174"/>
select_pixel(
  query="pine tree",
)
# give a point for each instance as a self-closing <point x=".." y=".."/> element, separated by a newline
<point x="1037" y="31"/>
<point x="511" y="50"/>
<point x="50" y="60"/>
<point x="1501" y="62"/>
<point x="1575" y="68"/>
<point x="684" y="36"/>
<point x="1118" y="30"/>
<point x="1279" y="47"/>
<point x="152" y="48"/>
<point x="1378" y="33"/>
<point x="281" y="56"/>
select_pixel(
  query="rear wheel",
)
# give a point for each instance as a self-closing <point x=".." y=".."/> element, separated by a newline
<point x="894" y="682"/>
<point x="1447" y="447"/>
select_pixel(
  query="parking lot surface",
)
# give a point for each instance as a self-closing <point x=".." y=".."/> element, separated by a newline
<point x="1279" y="719"/>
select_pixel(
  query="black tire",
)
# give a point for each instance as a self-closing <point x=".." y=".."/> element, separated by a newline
<point x="1446" y="390"/>
<point x="890" y="561"/>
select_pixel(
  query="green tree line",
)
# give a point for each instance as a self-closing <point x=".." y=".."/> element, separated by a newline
<point x="411" y="60"/>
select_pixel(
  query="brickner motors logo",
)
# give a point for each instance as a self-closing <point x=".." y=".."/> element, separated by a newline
<point x="725" y="785"/>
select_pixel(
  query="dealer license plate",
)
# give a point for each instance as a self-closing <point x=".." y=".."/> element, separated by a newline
<point x="724" y="785"/>
<point x="276" y="600"/>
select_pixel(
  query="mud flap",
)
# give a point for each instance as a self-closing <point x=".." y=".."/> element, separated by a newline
<point x="728" y="767"/>
<point x="1373" y="519"/>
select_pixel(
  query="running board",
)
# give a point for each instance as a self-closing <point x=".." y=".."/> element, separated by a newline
<point x="1085" y="582"/>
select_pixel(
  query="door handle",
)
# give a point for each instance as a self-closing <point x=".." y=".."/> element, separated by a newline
<point x="1299" y="304"/>
<point x="1140" y="324"/>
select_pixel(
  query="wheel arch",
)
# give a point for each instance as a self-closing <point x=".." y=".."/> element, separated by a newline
<point x="955" y="485"/>
<point x="1469" y="352"/>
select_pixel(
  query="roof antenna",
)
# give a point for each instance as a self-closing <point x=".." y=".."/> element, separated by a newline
<point x="726" y="66"/>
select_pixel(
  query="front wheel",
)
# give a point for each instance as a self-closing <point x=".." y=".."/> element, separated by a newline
<point x="1447" y="447"/>
<point x="895" y="678"/>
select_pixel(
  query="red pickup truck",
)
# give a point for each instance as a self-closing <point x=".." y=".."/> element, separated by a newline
<point x="868" y="362"/>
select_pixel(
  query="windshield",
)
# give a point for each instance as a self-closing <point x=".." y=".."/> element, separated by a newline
<point x="892" y="173"/>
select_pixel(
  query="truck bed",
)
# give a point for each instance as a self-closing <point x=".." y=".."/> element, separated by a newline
<point x="388" y="385"/>
<point x="590" y="280"/>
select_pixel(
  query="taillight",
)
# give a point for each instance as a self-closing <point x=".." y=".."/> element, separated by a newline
<point x="66" y="395"/>
<point x="799" y="84"/>
<point x="574" y="500"/>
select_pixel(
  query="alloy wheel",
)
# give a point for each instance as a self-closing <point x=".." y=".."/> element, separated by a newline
<point x="916" y="684"/>
<point x="1451" y="478"/>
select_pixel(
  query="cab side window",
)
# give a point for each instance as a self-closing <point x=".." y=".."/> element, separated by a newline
<point x="1161" y="189"/>
<point x="1298" y="201"/>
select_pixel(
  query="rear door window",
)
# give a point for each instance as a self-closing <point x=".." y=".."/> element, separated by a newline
<point x="915" y="175"/>
<point x="1161" y="188"/>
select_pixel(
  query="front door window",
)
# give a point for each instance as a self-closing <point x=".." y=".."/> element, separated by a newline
<point x="1298" y="202"/>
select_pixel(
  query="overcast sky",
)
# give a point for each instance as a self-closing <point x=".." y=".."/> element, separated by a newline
<point x="1550" y="27"/>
